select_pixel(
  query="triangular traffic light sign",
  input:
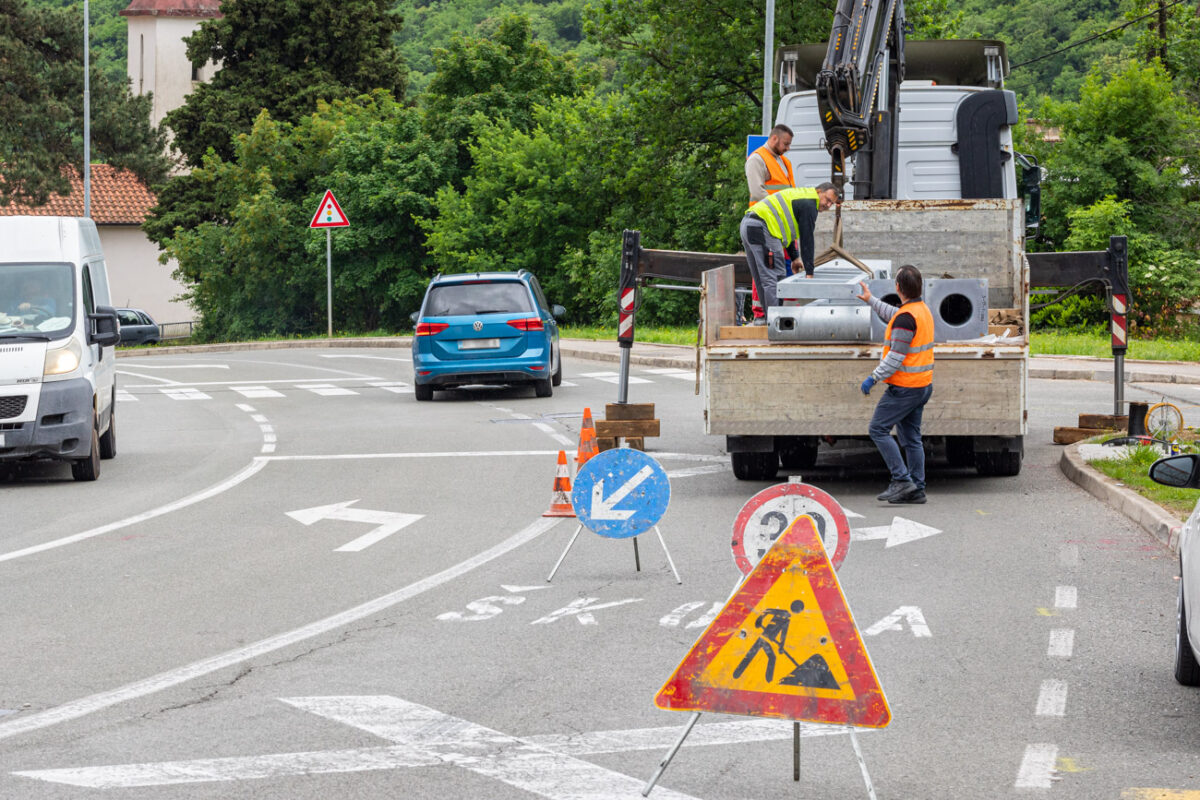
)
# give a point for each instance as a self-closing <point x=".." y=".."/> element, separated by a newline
<point x="784" y="646"/>
<point x="329" y="213"/>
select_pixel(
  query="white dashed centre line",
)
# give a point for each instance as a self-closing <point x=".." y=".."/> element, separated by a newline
<point x="1037" y="767"/>
<point x="1066" y="597"/>
<point x="1052" y="699"/>
<point x="1062" y="643"/>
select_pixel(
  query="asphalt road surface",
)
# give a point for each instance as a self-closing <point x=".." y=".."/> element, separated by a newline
<point x="295" y="581"/>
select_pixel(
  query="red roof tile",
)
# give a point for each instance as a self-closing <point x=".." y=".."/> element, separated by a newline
<point x="173" y="8"/>
<point x="118" y="198"/>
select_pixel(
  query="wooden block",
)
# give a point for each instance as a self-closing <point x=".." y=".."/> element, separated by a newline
<point x="626" y="427"/>
<point x="1004" y="330"/>
<point x="636" y="442"/>
<point x="1004" y="316"/>
<point x="1113" y="422"/>
<point x="1073" y="435"/>
<point x="605" y="443"/>
<point x="614" y="411"/>
<point x="743" y="332"/>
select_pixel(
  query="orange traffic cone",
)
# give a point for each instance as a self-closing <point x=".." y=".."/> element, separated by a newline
<point x="560" y="500"/>
<point x="587" y="441"/>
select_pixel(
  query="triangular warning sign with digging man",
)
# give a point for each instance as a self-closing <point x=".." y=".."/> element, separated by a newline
<point x="785" y="646"/>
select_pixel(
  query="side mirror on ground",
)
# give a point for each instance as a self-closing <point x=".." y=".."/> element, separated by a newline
<point x="558" y="311"/>
<point x="106" y="330"/>
<point x="1181" y="471"/>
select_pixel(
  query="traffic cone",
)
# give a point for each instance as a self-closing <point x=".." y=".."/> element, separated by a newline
<point x="587" y="441"/>
<point x="560" y="499"/>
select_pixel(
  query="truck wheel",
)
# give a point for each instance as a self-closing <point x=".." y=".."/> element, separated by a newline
<point x="798" y="453"/>
<point x="754" y="466"/>
<point x="1005" y="464"/>
<point x="108" y="441"/>
<point x="422" y="391"/>
<point x="88" y="469"/>
<point x="960" y="451"/>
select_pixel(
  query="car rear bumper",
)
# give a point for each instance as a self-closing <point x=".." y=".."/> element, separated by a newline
<point x="486" y="371"/>
<point x="62" y="428"/>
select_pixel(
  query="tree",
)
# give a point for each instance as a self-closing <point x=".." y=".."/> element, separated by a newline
<point x="283" y="56"/>
<point x="41" y="103"/>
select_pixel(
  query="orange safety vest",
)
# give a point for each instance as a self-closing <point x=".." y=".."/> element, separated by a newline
<point x="917" y="369"/>
<point x="779" y="175"/>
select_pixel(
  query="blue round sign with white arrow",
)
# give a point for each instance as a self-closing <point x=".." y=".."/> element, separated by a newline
<point x="621" y="493"/>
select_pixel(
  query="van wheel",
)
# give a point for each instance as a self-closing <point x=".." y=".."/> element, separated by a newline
<point x="1187" y="671"/>
<point x="556" y="378"/>
<point x="88" y="469"/>
<point x="543" y="387"/>
<point x="108" y="441"/>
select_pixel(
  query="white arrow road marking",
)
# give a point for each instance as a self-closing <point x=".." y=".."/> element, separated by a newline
<point x="910" y="614"/>
<point x="582" y="611"/>
<point x="483" y="608"/>
<point x="676" y="617"/>
<point x="901" y="531"/>
<point x="388" y="521"/>
<point x="517" y="589"/>
<point x="546" y="765"/>
<point x="603" y="508"/>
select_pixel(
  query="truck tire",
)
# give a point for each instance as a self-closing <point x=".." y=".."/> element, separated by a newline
<point x="960" y="451"/>
<point x="798" y="452"/>
<point x="108" y="441"/>
<point x="88" y="469"/>
<point x="754" y="466"/>
<point x="1003" y="464"/>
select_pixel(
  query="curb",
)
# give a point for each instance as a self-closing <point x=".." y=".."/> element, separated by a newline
<point x="660" y="360"/>
<point x="283" y="344"/>
<point x="1158" y="523"/>
<point x="1106" y="376"/>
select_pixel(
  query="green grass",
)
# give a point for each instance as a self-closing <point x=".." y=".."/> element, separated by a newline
<point x="1132" y="470"/>
<point x="673" y="335"/>
<point x="1069" y="343"/>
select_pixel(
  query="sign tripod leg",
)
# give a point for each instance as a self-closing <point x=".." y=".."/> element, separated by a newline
<point x="795" y="751"/>
<point x="668" y="552"/>
<point x="862" y="764"/>
<point x="571" y="543"/>
<point x="637" y="560"/>
<point x="662" y="765"/>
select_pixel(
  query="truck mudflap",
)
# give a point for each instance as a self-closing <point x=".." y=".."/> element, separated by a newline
<point x="61" y="428"/>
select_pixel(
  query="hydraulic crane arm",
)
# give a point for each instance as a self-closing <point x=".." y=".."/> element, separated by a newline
<point x="858" y="91"/>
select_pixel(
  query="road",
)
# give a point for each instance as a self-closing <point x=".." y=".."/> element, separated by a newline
<point x="294" y="581"/>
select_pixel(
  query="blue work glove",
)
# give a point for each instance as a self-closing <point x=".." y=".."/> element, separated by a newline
<point x="867" y="384"/>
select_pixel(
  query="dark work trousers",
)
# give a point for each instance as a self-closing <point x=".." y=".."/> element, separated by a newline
<point x="902" y="407"/>
<point x="765" y="256"/>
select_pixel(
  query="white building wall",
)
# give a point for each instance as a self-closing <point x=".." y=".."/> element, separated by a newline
<point x="136" y="278"/>
<point x="157" y="61"/>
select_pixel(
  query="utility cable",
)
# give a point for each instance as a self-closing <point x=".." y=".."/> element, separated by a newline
<point x="1097" y="36"/>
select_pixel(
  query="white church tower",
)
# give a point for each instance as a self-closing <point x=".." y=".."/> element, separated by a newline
<point x="157" y="60"/>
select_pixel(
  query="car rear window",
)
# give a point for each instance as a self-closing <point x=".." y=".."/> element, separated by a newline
<point x="485" y="297"/>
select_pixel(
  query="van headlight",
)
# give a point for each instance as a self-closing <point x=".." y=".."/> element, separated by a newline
<point x="61" y="360"/>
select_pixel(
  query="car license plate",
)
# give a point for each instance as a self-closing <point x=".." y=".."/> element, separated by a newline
<point x="478" y="344"/>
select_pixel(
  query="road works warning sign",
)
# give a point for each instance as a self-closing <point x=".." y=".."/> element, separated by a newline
<point x="785" y="646"/>
<point x="329" y="213"/>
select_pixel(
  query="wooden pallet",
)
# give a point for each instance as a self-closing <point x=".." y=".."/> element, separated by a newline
<point x="632" y="422"/>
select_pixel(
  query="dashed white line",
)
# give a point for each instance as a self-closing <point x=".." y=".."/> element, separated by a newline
<point x="1038" y="766"/>
<point x="185" y="394"/>
<point x="1052" y="698"/>
<point x="1062" y="643"/>
<point x="256" y="392"/>
<point x="1066" y="597"/>
<point x="125" y="397"/>
<point x="325" y="389"/>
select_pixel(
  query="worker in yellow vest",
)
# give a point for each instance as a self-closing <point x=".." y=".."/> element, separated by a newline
<point x="784" y="220"/>
<point x="768" y="170"/>
<point x="907" y="369"/>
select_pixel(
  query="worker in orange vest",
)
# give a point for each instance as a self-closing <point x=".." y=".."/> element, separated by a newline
<point x="767" y="171"/>
<point x="907" y="369"/>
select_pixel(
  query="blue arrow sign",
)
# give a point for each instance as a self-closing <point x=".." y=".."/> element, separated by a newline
<point x="753" y="142"/>
<point x="621" y="493"/>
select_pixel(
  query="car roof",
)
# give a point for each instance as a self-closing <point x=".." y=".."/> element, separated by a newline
<point x="462" y="277"/>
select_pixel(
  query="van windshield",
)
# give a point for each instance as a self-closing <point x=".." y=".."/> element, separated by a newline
<point x="36" y="298"/>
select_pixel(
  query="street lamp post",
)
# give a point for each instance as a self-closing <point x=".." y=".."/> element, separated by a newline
<point x="87" y="119"/>
<point x="768" y="65"/>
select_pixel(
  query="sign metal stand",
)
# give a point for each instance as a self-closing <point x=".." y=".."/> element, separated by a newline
<point x="329" y="216"/>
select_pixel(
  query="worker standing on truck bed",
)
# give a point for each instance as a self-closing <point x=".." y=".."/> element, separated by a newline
<point x="785" y="219"/>
<point x="768" y="170"/>
<point x="907" y="368"/>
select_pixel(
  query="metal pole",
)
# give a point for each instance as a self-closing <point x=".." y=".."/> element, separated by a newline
<point x="796" y="751"/>
<point x="329" y="280"/>
<point x="1118" y="384"/>
<point x="623" y="386"/>
<point x="570" y="544"/>
<point x="668" y="552"/>
<point x="768" y="66"/>
<point x="862" y="765"/>
<point x="662" y="765"/>
<point x="637" y="560"/>
<point x="87" y="117"/>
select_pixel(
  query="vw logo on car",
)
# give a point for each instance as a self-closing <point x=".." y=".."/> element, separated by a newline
<point x="478" y="325"/>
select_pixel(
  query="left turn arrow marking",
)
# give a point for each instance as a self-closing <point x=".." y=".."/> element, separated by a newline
<point x="387" y="522"/>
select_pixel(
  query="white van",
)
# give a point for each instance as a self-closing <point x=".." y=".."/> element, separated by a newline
<point x="57" y="334"/>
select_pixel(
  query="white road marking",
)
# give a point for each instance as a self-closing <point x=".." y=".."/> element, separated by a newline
<point x="249" y="409"/>
<point x="1068" y="555"/>
<point x="569" y="383"/>
<point x="259" y="418"/>
<point x="1066" y="597"/>
<point x="388" y="522"/>
<point x="581" y="609"/>
<point x="674" y="618"/>
<point x="1062" y="643"/>
<point x="372" y="358"/>
<point x="673" y="372"/>
<point x="185" y="394"/>
<point x="483" y="609"/>
<point x="690" y="471"/>
<point x="901" y="531"/>
<point x="170" y="678"/>
<point x="180" y="366"/>
<point x="125" y="397"/>
<point x="212" y="491"/>
<point x="1038" y="767"/>
<point x="161" y="381"/>
<point x="268" y="448"/>
<point x="325" y="389"/>
<point x="910" y="614"/>
<point x="612" y="377"/>
<point x="395" y="387"/>
<point x="1052" y="698"/>
<point x="256" y="392"/>
<point x="235" y="384"/>
<point x="518" y="589"/>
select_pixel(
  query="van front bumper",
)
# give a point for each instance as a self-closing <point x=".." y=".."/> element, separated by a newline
<point x="61" y="429"/>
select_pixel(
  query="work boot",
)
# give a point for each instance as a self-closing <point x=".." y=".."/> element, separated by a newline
<point x="916" y="497"/>
<point x="897" y="489"/>
<point x="759" y="321"/>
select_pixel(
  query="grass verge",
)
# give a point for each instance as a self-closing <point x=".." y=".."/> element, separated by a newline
<point x="664" y="335"/>
<point x="1131" y="471"/>
<point x="1073" y="343"/>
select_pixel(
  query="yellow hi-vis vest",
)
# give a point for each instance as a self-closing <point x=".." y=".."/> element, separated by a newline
<point x="917" y="369"/>
<point x="779" y="175"/>
<point x="776" y="212"/>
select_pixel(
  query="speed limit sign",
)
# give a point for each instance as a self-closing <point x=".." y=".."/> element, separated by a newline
<point x="769" y="513"/>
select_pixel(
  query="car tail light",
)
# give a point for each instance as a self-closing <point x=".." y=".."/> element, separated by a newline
<point x="431" y="328"/>
<point x="530" y="324"/>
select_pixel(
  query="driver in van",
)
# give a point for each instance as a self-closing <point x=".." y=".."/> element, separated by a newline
<point x="35" y="299"/>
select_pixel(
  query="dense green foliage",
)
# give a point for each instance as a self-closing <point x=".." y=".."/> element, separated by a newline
<point x="41" y="103"/>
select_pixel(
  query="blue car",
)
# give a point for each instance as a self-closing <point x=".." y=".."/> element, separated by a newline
<point x="486" y="328"/>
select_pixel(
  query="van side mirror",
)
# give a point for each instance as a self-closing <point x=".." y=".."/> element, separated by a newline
<point x="105" y="329"/>
<point x="558" y="311"/>
<point x="1180" y="471"/>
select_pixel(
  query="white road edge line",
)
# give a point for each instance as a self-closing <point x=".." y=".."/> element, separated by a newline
<point x="1037" y="767"/>
<point x="174" y="677"/>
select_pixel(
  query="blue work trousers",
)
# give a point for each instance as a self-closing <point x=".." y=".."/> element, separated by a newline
<point x="901" y="407"/>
